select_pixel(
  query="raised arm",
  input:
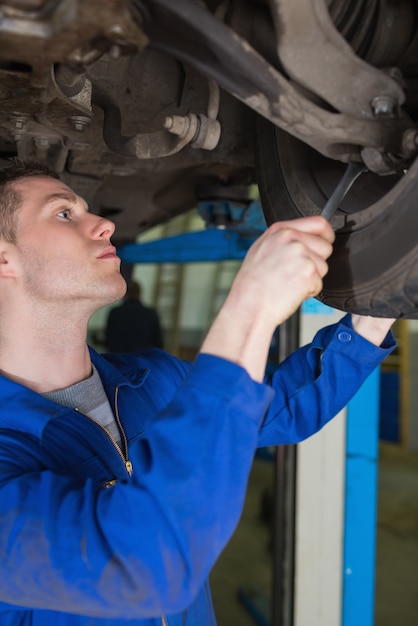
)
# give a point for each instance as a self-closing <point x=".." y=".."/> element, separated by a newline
<point x="315" y="382"/>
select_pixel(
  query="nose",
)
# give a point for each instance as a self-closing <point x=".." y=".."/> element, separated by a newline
<point x="102" y="227"/>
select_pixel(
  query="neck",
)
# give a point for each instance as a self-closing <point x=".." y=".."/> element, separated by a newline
<point x="45" y="352"/>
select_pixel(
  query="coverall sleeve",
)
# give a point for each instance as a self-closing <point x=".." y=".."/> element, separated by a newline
<point x="316" y="381"/>
<point x="145" y="546"/>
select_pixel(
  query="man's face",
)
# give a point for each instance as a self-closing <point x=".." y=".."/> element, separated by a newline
<point x="63" y="253"/>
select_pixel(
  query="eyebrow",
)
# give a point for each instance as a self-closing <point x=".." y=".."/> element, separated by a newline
<point x="65" y="195"/>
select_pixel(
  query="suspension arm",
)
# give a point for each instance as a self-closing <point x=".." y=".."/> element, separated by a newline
<point x="317" y="57"/>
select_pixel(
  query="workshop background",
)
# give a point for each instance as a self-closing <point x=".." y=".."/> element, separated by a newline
<point x="187" y="297"/>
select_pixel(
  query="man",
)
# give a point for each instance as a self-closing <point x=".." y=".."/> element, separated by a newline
<point x="132" y="326"/>
<point x="123" y="477"/>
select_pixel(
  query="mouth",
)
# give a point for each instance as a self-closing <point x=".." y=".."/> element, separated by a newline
<point x="108" y="253"/>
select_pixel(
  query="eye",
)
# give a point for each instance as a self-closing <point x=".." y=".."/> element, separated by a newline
<point x="65" y="213"/>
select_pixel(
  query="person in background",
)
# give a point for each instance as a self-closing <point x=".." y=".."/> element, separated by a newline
<point x="132" y="326"/>
<point x="123" y="476"/>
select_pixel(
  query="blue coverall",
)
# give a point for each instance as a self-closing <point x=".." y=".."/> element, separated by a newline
<point x="84" y="543"/>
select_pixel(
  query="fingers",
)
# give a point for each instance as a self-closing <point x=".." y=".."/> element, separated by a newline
<point x="307" y="236"/>
<point x="315" y="225"/>
<point x="305" y="270"/>
<point x="312" y="243"/>
<point x="317" y="263"/>
<point x="316" y="245"/>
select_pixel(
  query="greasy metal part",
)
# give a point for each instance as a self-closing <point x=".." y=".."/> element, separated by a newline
<point x="221" y="55"/>
<point x="318" y="58"/>
<point x="70" y="78"/>
<point x="45" y="51"/>
<point x="66" y="31"/>
<point x="37" y="19"/>
<point x="214" y="99"/>
<point x="44" y="124"/>
<point x="36" y="142"/>
<point x="238" y="68"/>
<point x="351" y="174"/>
<point x="182" y="131"/>
<point x="49" y="115"/>
<point x="384" y="106"/>
<point x="202" y="131"/>
<point x="198" y="130"/>
<point x="26" y="5"/>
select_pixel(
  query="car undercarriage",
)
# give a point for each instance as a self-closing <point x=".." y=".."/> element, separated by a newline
<point x="146" y="107"/>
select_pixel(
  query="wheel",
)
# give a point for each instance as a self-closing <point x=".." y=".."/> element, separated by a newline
<point x="374" y="267"/>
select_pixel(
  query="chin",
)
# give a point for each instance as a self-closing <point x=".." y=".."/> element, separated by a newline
<point x="115" y="289"/>
<point x="120" y="287"/>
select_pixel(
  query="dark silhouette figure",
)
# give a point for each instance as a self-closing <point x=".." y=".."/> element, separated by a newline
<point x="132" y="326"/>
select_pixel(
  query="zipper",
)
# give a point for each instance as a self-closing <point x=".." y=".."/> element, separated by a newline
<point x="126" y="460"/>
<point x="122" y="453"/>
<point x="128" y="463"/>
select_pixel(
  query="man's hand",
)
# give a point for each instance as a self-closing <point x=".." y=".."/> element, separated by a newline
<point x="285" y="266"/>
<point x="282" y="268"/>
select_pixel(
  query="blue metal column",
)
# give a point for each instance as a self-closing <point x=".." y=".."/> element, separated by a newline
<point x="361" y="505"/>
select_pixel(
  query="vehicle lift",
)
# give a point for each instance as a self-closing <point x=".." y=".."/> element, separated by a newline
<point x="231" y="228"/>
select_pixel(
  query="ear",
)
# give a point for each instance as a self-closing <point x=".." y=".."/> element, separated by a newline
<point x="7" y="269"/>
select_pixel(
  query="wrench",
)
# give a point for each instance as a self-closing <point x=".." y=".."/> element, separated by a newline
<point x="351" y="174"/>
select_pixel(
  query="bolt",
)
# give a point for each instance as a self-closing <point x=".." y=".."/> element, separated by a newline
<point x="42" y="142"/>
<point x="19" y="121"/>
<point x="114" y="51"/>
<point x="177" y="124"/>
<point x="79" y="122"/>
<point x="168" y="122"/>
<point x="377" y="161"/>
<point x="383" y="106"/>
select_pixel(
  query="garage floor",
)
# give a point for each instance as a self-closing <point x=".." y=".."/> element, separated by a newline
<point x="397" y="539"/>
<point x="246" y="563"/>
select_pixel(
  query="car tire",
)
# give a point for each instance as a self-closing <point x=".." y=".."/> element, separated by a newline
<point x="374" y="266"/>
